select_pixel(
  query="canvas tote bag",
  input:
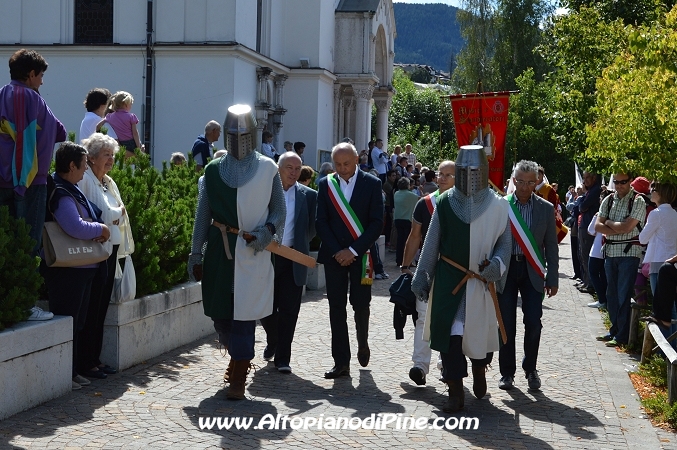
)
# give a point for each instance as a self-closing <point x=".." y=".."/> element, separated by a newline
<point x="63" y="250"/>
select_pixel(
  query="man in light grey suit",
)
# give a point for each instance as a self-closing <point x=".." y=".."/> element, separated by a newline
<point x="290" y="277"/>
<point x="533" y="273"/>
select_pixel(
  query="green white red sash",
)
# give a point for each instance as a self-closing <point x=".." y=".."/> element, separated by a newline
<point x="524" y="237"/>
<point x="431" y="201"/>
<point x="352" y="222"/>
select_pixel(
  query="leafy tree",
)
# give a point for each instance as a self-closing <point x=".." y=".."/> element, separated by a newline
<point x="579" y="46"/>
<point x="529" y="126"/>
<point x="636" y="119"/>
<point x="631" y="12"/>
<point x="420" y="117"/>
<point x="475" y="62"/>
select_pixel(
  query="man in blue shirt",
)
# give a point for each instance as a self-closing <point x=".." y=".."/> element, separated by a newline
<point x="202" y="147"/>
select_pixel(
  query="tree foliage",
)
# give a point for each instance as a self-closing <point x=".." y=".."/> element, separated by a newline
<point x="421" y="118"/>
<point x="426" y="34"/>
<point x="579" y="46"/>
<point x="19" y="278"/>
<point x="161" y="207"/>
<point x="636" y="119"/>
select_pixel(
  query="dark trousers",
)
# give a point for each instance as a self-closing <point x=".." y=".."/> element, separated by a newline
<point x="388" y="223"/>
<point x="403" y="228"/>
<point x="376" y="258"/>
<point x="99" y="298"/>
<point x="575" y="260"/>
<point x="518" y="281"/>
<point x="598" y="277"/>
<point x="238" y="336"/>
<point x="30" y="207"/>
<point x="455" y="366"/>
<point x="69" y="289"/>
<point x="666" y="293"/>
<point x="281" y="324"/>
<point x="338" y="278"/>
<point x="585" y="242"/>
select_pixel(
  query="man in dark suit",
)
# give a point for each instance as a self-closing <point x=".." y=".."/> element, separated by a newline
<point x="533" y="272"/>
<point x="349" y="220"/>
<point x="290" y="277"/>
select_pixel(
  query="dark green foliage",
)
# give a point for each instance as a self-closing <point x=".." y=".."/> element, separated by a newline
<point x="427" y="34"/>
<point x="161" y="207"/>
<point x="19" y="279"/>
<point x="419" y="117"/>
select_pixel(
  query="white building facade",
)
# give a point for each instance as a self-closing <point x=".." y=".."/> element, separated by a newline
<point x="312" y="69"/>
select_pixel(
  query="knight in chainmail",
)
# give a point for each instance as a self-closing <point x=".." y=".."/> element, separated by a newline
<point x="241" y="209"/>
<point x="469" y="232"/>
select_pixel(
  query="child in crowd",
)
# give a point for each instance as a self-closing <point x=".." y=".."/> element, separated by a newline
<point x="123" y="122"/>
<point x="267" y="148"/>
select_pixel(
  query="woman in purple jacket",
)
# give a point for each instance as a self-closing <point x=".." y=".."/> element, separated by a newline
<point x="69" y="287"/>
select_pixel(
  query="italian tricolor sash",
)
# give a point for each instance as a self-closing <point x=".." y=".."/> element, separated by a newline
<point x="352" y="222"/>
<point x="523" y="236"/>
<point x="431" y="201"/>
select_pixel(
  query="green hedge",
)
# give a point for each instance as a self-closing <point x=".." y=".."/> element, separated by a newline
<point x="161" y="206"/>
<point x="19" y="278"/>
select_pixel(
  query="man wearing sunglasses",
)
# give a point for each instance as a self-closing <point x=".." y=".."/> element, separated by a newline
<point x="619" y="224"/>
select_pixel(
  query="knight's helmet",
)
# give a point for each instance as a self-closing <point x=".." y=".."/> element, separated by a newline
<point x="240" y="131"/>
<point x="472" y="170"/>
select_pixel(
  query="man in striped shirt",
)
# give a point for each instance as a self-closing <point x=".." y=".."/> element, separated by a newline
<point x="533" y="273"/>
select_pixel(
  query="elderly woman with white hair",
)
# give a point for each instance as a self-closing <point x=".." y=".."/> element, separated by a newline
<point x="102" y="191"/>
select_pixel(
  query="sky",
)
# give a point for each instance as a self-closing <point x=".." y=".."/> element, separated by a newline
<point x="456" y="3"/>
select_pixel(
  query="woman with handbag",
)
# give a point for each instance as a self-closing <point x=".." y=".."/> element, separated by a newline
<point x="68" y="280"/>
<point x="101" y="190"/>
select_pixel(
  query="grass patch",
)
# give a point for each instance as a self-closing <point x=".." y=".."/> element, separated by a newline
<point x="651" y="386"/>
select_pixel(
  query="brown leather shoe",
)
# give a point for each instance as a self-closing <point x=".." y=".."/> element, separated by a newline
<point x="338" y="371"/>
<point x="456" y="399"/>
<point x="479" y="381"/>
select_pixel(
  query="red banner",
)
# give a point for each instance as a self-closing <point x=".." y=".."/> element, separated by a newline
<point x="482" y="119"/>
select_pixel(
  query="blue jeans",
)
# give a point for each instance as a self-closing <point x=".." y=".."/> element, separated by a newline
<point x="532" y="309"/>
<point x="238" y="335"/>
<point x="598" y="277"/>
<point x="621" y="273"/>
<point x="30" y="207"/>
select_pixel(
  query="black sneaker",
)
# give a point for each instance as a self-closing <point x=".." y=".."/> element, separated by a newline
<point x="417" y="375"/>
<point x="268" y="353"/>
<point x="506" y="383"/>
<point x="534" y="381"/>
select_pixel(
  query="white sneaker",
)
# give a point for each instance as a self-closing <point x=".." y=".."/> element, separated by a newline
<point x="76" y="386"/>
<point x="381" y="276"/>
<point x="596" y="304"/>
<point x="39" y="314"/>
<point x="284" y="369"/>
<point x="82" y="381"/>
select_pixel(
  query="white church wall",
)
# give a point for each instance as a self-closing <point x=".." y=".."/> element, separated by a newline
<point x="74" y="70"/>
<point x="129" y="21"/>
<point x="309" y="102"/>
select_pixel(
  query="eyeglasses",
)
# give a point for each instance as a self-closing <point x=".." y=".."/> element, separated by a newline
<point x="523" y="182"/>
<point x="622" y="182"/>
<point x="442" y="175"/>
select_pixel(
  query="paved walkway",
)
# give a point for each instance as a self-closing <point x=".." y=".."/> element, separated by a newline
<point x="587" y="400"/>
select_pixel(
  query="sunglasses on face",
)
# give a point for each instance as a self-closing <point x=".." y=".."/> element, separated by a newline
<point x="622" y="182"/>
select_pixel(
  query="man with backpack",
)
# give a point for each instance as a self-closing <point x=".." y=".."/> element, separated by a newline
<point x="621" y="216"/>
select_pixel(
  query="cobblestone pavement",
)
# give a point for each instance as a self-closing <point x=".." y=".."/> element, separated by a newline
<point x="587" y="400"/>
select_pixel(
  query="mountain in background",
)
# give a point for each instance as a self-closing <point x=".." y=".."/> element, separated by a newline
<point x="427" y="34"/>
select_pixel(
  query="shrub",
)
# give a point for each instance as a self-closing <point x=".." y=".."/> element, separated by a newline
<point x="161" y="207"/>
<point x="19" y="278"/>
